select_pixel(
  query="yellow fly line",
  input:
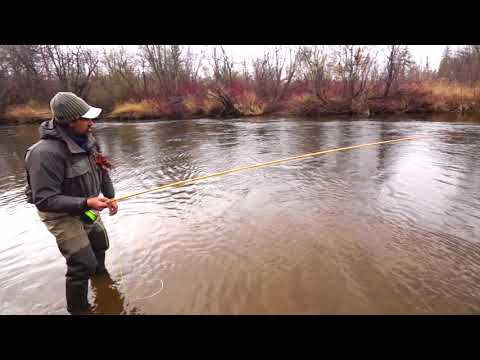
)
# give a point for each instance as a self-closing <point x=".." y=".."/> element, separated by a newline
<point x="256" y="166"/>
<point x="260" y="165"/>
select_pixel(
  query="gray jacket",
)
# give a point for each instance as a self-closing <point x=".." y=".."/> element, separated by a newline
<point x="61" y="175"/>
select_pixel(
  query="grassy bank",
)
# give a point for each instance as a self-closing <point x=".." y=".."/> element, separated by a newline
<point x="31" y="112"/>
<point x="426" y="98"/>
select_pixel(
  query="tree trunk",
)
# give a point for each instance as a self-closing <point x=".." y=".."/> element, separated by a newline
<point x="229" y="110"/>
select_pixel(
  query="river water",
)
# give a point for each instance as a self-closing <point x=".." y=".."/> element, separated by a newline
<point x="386" y="229"/>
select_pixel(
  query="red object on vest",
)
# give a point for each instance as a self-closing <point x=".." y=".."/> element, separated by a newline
<point x="102" y="161"/>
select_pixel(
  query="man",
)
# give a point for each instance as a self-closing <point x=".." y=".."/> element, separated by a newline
<point x="66" y="174"/>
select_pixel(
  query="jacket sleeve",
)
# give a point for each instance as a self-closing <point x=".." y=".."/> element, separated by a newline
<point x="107" y="186"/>
<point x="46" y="171"/>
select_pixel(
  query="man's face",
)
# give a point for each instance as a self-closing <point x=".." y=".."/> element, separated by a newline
<point x="81" y="126"/>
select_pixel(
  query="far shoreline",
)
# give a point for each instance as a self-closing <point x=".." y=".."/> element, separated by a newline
<point x="422" y="115"/>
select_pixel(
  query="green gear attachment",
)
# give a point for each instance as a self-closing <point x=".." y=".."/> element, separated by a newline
<point x="89" y="217"/>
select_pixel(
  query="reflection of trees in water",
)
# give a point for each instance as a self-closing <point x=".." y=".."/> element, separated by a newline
<point x="222" y="136"/>
<point x="355" y="166"/>
<point x="25" y="136"/>
<point x="331" y="135"/>
<point x="14" y="142"/>
<point x="164" y="151"/>
<point x="385" y="153"/>
<point x="171" y="147"/>
<point x="472" y="161"/>
<point x="262" y="130"/>
<point x="460" y="154"/>
<point x="124" y="140"/>
<point x="441" y="180"/>
<point x="220" y="142"/>
<point x="176" y="146"/>
<point x="258" y="142"/>
<point x="229" y="135"/>
<point x="307" y="137"/>
<point x="8" y="158"/>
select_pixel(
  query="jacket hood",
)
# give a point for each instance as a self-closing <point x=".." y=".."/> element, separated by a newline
<point x="50" y="130"/>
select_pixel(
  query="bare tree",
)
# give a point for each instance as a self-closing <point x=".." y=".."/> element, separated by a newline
<point x="154" y="57"/>
<point x="245" y="73"/>
<point x="24" y="65"/>
<point x="262" y="76"/>
<point x="4" y="81"/>
<point x="276" y="72"/>
<point x="122" y="70"/>
<point x="73" y="68"/>
<point x="168" y="66"/>
<point x="225" y="100"/>
<point x="175" y="65"/>
<point x="465" y="65"/>
<point x="192" y="65"/>
<point x="273" y="75"/>
<point x="398" y="62"/>
<point x="354" y="65"/>
<point x="224" y="75"/>
<point x="314" y="62"/>
<point x="223" y="67"/>
<point x="290" y="72"/>
<point x="445" y="67"/>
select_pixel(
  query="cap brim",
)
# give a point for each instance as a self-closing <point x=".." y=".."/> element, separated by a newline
<point x="92" y="113"/>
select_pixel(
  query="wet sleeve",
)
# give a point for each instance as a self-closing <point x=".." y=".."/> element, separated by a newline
<point x="107" y="186"/>
<point x="46" y="170"/>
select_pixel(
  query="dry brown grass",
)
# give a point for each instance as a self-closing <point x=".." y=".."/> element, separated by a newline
<point x="445" y="96"/>
<point x="304" y="105"/>
<point x="192" y="106"/>
<point x="249" y="105"/>
<point x="134" y="110"/>
<point x="453" y="92"/>
<point x="32" y="111"/>
<point x="210" y="106"/>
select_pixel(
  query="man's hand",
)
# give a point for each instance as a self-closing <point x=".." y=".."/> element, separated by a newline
<point x="98" y="203"/>
<point x="112" y="207"/>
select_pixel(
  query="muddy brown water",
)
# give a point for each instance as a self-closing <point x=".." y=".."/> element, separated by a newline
<point x="388" y="229"/>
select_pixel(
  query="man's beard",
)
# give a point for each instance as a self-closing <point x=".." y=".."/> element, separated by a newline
<point x="77" y="134"/>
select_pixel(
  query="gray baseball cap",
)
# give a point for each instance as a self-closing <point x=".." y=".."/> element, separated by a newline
<point x="67" y="107"/>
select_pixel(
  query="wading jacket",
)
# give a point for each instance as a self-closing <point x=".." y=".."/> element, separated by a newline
<point x="61" y="175"/>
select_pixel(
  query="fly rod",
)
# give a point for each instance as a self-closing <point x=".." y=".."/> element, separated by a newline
<point x="260" y="165"/>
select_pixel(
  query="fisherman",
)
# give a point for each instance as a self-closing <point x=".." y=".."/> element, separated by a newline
<point x="66" y="172"/>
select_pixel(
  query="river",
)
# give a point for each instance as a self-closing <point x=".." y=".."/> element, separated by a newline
<point x="386" y="229"/>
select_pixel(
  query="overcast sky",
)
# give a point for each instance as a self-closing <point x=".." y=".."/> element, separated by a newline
<point x="419" y="52"/>
<point x="241" y="52"/>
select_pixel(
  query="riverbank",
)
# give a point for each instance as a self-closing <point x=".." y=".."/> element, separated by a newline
<point x="425" y="99"/>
